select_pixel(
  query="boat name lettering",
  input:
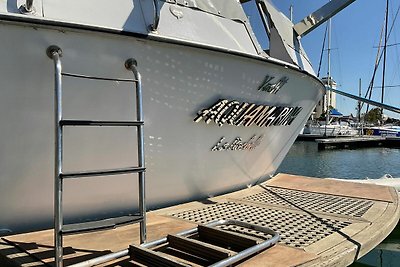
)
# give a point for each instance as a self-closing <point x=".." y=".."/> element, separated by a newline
<point x="246" y="114"/>
<point x="272" y="87"/>
<point x="238" y="144"/>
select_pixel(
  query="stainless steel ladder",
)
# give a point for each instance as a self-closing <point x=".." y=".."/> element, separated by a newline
<point x="55" y="53"/>
<point x="205" y="245"/>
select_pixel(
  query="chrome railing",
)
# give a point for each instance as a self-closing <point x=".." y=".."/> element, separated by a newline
<point x="27" y="8"/>
<point x="154" y="26"/>
<point x="60" y="229"/>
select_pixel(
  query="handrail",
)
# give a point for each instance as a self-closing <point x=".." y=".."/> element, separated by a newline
<point x="29" y="5"/>
<point x="54" y="53"/>
<point x="131" y="64"/>
<point x="154" y="26"/>
<point x="265" y="22"/>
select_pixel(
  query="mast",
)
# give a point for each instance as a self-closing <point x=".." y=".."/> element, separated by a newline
<point x="329" y="61"/>
<point x="384" y="53"/>
<point x="359" y="102"/>
<point x="328" y="93"/>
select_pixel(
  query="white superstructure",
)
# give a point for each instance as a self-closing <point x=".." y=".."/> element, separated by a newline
<point x="219" y="112"/>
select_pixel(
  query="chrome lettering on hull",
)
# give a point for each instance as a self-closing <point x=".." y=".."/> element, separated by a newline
<point x="272" y="87"/>
<point x="238" y="144"/>
<point x="247" y="114"/>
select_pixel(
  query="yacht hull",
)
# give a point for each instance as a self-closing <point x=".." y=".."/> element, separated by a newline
<point x="330" y="130"/>
<point x="385" y="131"/>
<point x="179" y="82"/>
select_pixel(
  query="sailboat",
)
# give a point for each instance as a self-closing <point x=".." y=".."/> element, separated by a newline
<point x="333" y="125"/>
<point x="214" y="111"/>
<point x="388" y="130"/>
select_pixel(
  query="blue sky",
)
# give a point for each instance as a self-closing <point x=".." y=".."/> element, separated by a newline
<point x="355" y="35"/>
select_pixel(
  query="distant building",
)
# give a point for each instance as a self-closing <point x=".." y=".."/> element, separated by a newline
<point x="329" y="98"/>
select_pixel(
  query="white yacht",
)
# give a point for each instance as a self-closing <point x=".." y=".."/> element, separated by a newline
<point x="332" y="129"/>
<point x="218" y="112"/>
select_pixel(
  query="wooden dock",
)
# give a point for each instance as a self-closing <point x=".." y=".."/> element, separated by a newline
<point x="313" y="137"/>
<point x="358" y="142"/>
<point x="321" y="222"/>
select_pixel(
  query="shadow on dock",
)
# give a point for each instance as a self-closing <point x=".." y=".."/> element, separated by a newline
<point x="25" y="252"/>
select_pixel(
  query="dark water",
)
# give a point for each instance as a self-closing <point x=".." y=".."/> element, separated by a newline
<point x="305" y="159"/>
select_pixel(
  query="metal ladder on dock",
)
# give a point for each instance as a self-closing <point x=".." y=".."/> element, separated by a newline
<point x="205" y="245"/>
<point x="55" y="53"/>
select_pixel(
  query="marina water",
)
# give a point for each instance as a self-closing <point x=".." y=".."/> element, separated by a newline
<point x="305" y="159"/>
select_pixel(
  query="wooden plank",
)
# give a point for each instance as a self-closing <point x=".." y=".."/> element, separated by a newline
<point x="332" y="187"/>
<point x="329" y="250"/>
<point x="280" y="256"/>
<point x="89" y="245"/>
<point x="198" y="248"/>
<point x="231" y="240"/>
<point x="152" y="258"/>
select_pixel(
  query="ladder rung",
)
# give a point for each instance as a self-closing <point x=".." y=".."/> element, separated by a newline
<point x="102" y="172"/>
<point x="70" y="229"/>
<point x="99" y="123"/>
<point x="198" y="248"/>
<point x="152" y="258"/>
<point x="227" y="239"/>
<point x="97" y="78"/>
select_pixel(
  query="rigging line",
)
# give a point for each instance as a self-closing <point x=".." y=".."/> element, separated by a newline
<point x="322" y="51"/>
<point x="380" y="57"/>
<point x="384" y="53"/>
<point x="390" y="32"/>
<point x="377" y="60"/>
<point x="396" y="69"/>
<point x="388" y="86"/>
<point x="389" y="45"/>
<point x="340" y="76"/>
<point x="396" y="49"/>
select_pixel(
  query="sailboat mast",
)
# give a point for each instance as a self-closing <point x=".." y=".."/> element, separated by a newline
<point x="329" y="55"/>
<point x="291" y="12"/>
<point x="384" y="52"/>
<point x="328" y="93"/>
<point x="359" y="102"/>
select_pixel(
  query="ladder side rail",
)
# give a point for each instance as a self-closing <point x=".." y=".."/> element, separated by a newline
<point x="55" y="53"/>
<point x="154" y="26"/>
<point x="252" y="250"/>
<point x="102" y="259"/>
<point x="131" y="64"/>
